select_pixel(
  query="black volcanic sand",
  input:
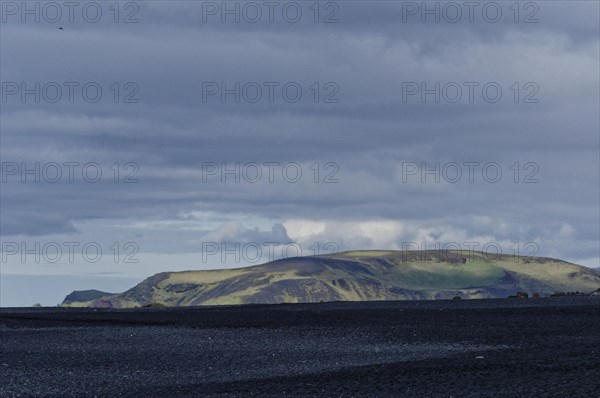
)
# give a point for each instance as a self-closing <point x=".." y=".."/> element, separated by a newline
<point x="463" y="348"/>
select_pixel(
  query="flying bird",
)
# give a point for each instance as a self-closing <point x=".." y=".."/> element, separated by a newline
<point x="60" y="28"/>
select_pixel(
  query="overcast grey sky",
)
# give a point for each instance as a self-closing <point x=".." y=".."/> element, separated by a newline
<point x="275" y="124"/>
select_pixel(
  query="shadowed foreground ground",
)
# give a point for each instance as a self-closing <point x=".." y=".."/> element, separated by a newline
<point x="476" y="348"/>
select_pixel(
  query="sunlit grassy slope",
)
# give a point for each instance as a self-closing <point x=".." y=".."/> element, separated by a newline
<point x="360" y="275"/>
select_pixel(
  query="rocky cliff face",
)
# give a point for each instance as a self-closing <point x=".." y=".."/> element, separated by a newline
<point x="84" y="296"/>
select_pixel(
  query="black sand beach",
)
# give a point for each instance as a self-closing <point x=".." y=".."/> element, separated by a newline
<point x="464" y="348"/>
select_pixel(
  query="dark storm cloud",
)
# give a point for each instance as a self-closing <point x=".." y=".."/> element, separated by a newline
<point x="171" y="133"/>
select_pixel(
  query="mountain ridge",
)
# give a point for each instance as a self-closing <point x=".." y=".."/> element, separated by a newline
<point x="358" y="276"/>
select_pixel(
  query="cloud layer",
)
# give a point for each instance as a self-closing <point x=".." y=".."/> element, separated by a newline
<point x="358" y="159"/>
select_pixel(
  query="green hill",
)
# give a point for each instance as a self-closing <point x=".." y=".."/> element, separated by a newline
<point x="358" y="276"/>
